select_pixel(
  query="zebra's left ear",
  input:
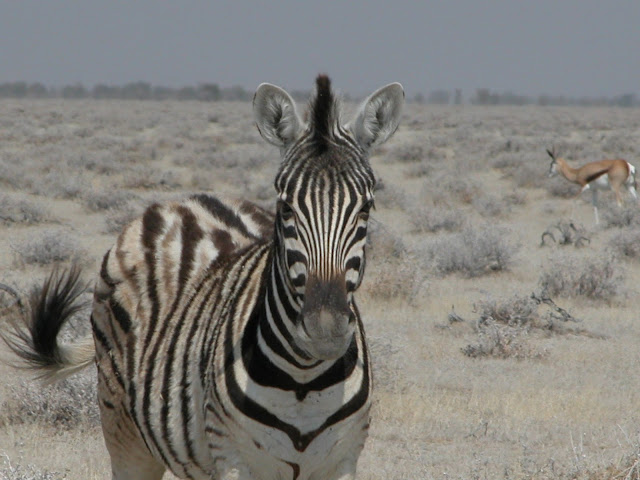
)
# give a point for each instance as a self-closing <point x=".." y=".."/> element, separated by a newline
<point x="378" y="117"/>
<point x="276" y="115"/>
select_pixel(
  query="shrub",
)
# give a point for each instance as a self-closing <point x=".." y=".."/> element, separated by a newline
<point x="392" y="271"/>
<point x="613" y="216"/>
<point x="575" y="276"/>
<point x="117" y="219"/>
<point x="390" y="196"/>
<point x="23" y="211"/>
<point x="17" y="471"/>
<point x="626" y="243"/>
<point x="67" y="404"/>
<point x="435" y="218"/>
<point x="561" y="187"/>
<point x="472" y="252"/>
<point x="488" y="205"/>
<point x="505" y="327"/>
<point x="50" y="247"/>
<point x="106" y="199"/>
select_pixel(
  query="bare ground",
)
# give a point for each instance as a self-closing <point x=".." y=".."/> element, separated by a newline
<point x="463" y="203"/>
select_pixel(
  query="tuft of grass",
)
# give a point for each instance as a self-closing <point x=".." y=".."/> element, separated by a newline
<point x="49" y="247"/>
<point x="598" y="279"/>
<point x="473" y="251"/>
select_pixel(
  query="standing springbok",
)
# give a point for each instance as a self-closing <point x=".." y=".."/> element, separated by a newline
<point x="599" y="175"/>
<point x="227" y="339"/>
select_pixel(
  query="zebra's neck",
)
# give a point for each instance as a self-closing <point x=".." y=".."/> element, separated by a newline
<point x="270" y="342"/>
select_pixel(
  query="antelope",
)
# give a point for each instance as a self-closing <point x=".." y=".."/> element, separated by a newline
<point x="599" y="175"/>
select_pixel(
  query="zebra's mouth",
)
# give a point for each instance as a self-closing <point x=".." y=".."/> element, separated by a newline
<point x="324" y="346"/>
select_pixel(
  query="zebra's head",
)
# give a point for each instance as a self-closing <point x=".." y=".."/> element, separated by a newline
<point x="325" y="191"/>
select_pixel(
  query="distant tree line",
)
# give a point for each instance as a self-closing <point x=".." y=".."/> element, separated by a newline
<point x="484" y="96"/>
<point x="211" y="92"/>
<point x="207" y="92"/>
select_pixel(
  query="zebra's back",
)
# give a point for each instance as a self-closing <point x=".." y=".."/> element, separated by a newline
<point x="155" y="317"/>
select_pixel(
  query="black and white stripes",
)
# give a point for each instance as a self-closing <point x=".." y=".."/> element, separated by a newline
<point x="227" y="339"/>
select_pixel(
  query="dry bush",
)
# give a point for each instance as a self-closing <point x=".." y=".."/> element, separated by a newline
<point x="51" y="246"/>
<point x="106" y="199"/>
<point x="392" y="270"/>
<point x="615" y="217"/>
<point x="574" y="275"/>
<point x="515" y="198"/>
<point x="527" y="170"/>
<point x="68" y="404"/>
<point x="452" y="189"/>
<point x="57" y="184"/>
<point x="489" y="205"/>
<point x="405" y="153"/>
<point x="559" y="186"/>
<point x="436" y="218"/>
<point x="502" y="329"/>
<point x="144" y="177"/>
<point x="390" y="196"/>
<point x="116" y="219"/>
<point x="505" y="328"/>
<point x="10" y="470"/>
<point x="473" y="252"/>
<point x="17" y="210"/>
<point x="626" y="244"/>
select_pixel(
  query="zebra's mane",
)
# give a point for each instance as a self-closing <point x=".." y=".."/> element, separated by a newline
<point x="323" y="113"/>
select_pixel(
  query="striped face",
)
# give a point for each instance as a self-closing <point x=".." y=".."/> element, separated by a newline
<point x="321" y="231"/>
<point x="324" y="189"/>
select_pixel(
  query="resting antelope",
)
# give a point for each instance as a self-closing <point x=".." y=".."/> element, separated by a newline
<point x="600" y="175"/>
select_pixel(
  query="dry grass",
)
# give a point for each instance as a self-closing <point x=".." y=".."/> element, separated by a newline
<point x="461" y="205"/>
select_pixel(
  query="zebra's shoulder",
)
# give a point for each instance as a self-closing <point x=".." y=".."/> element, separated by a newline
<point x="241" y="215"/>
<point x="200" y="222"/>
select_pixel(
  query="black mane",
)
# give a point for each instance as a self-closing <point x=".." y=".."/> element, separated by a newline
<point x="323" y="113"/>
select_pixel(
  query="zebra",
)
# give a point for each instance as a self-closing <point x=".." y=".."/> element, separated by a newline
<point x="227" y="338"/>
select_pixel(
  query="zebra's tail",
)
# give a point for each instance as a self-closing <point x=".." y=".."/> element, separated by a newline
<point x="33" y="334"/>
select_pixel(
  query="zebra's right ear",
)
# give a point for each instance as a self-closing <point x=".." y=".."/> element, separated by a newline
<point x="276" y="115"/>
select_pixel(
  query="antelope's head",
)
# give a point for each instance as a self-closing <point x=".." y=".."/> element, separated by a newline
<point x="553" y="167"/>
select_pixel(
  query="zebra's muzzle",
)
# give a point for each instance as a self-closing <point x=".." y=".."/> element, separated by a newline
<point x="327" y="322"/>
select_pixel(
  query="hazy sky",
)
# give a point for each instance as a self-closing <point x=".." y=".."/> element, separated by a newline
<point x="571" y="47"/>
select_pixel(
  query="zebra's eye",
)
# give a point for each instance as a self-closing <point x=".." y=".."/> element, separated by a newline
<point x="285" y="210"/>
<point x="366" y="208"/>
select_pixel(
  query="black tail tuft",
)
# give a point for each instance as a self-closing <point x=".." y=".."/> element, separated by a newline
<point x="35" y="336"/>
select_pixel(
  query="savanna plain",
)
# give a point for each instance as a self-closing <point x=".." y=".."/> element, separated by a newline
<point x="503" y="322"/>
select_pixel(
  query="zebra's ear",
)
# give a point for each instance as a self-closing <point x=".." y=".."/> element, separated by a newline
<point x="378" y="116"/>
<point x="276" y="116"/>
